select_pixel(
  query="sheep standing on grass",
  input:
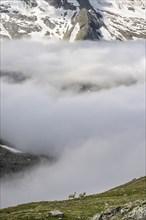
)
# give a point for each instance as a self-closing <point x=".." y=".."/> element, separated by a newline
<point x="82" y="195"/>
<point x="72" y="196"/>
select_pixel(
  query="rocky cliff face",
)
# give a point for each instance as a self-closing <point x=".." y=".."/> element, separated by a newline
<point x="73" y="19"/>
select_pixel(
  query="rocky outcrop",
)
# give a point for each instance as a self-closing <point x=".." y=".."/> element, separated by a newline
<point x="132" y="210"/>
<point x="56" y="213"/>
<point x="89" y="24"/>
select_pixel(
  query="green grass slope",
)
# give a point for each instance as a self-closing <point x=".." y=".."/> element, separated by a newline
<point x="79" y="208"/>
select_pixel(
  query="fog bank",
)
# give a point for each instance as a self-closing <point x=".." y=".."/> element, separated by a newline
<point x="84" y="102"/>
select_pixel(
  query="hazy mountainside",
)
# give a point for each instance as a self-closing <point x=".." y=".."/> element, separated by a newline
<point x="13" y="160"/>
<point x="123" y="202"/>
<point x="73" y="19"/>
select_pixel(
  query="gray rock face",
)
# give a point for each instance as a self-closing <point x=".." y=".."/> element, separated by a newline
<point x="133" y="210"/>
<point x="73" y="19"/>
<point x="48" y="23"/>
<point x="89" y="24"/>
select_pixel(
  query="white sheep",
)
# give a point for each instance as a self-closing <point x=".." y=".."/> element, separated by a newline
<point x="82" y="195"/>
<point x="72" y="196"/>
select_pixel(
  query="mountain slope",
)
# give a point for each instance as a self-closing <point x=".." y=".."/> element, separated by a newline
<point x="13" y="161"/>
<point x="124" y="202"/>
<point x="73" y="19"/>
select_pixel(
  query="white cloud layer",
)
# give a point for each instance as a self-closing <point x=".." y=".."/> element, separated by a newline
<point x="100" y="135"/>
<point x="62" y="64"/>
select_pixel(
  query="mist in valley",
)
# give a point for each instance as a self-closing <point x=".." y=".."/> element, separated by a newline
<point x="83" y="103"/>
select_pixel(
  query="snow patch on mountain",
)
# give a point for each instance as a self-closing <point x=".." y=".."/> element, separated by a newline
<point x="13" y="150"/>
<point x="74" y="32"/>
<point x="74" y="2"/>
